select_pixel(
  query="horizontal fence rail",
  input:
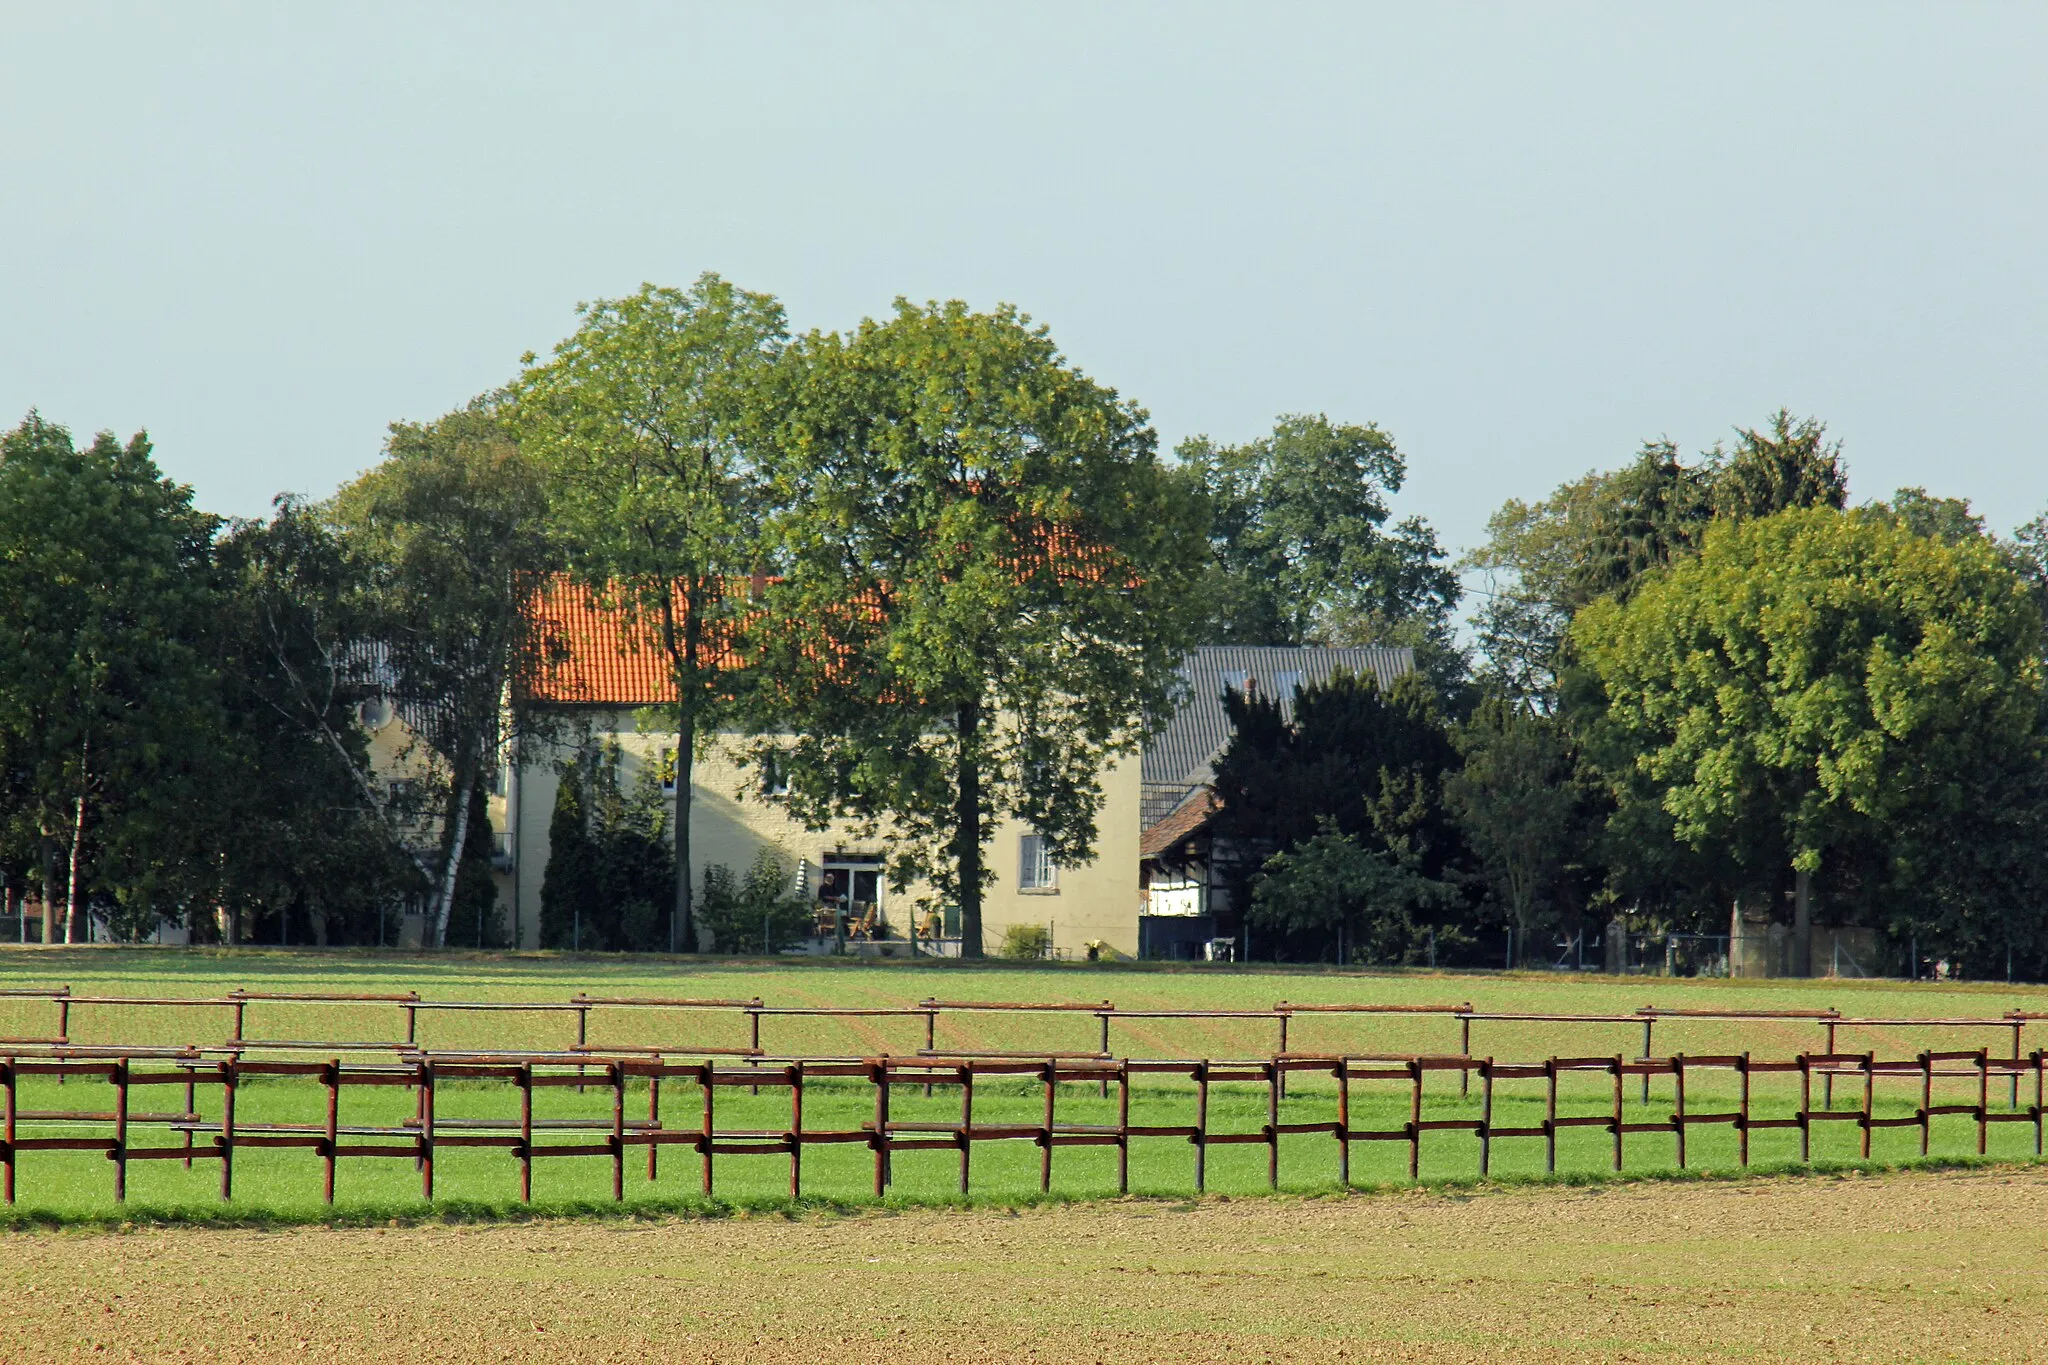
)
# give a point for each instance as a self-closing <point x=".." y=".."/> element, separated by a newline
<point x="182" y="1133"/>
<point x="405" y="1011"/>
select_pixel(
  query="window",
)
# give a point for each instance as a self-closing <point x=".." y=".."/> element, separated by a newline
<point x="774" y="776"/>
<point x="668" y="772"/>
<point x="1036" y="870"/>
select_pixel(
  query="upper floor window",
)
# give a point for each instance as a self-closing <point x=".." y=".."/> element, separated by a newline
<point x="1036" y="870"/>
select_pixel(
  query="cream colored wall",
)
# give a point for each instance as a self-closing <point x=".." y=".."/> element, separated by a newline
<point x="1096" y="901"/>
<point x="730" y="823"/>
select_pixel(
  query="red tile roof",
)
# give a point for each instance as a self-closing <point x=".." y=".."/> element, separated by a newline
<point x="593" y="654"/>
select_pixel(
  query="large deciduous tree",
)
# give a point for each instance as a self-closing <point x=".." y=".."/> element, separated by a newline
<point x="1514" y="800"/>
<point x="984" y="588"/>
<point x="104" y="598"/>
<point x="453" y="525"/>
<point x="1301" y="546"/>
<point x="636" y="420"/>
<point x="1818" y="680"/>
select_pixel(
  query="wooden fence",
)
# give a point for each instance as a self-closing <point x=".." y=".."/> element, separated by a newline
<point x="737" y="1025"/>
<point x="184" y="1135"/>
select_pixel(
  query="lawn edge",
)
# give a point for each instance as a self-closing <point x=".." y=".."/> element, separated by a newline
<point x="470" y="1212"/>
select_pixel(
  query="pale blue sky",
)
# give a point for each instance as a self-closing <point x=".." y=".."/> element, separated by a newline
<point x="1522" y="238"/>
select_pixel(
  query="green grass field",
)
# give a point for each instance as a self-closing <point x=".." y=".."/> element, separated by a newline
<point x="286" y="1184"/>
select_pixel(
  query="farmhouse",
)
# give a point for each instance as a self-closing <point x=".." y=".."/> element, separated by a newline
<point x="598" y="677"/>
<point x="1185" y="872"/>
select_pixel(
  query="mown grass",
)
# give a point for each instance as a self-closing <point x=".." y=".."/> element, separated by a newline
<point x="285" y="1185"/>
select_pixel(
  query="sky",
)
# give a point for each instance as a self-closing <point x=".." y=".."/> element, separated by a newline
<point x="1522" y="239"/>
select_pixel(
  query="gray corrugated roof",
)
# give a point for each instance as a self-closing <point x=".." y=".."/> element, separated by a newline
<point x="1179" y="755"/>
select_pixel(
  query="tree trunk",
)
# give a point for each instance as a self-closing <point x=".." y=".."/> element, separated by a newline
<point x="682" y="932"/>
<point x="967" y="829"/>
<point x="1802" y="922"/>
<point x="444" y="894"/>
<point x="49" y="889"/>
<point x="71" y="925"/>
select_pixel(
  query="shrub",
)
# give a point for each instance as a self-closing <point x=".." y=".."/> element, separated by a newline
<point x="1027" y="941"/>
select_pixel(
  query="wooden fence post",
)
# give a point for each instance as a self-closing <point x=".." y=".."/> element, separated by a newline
<point x="526" y="1132"/>
<point x="2040" y="1094"/>
<point x="1276" y="1078"/>
<point x="1103" y="1047"/>
<point x="708" y="1135"/>
<point x="794" y="1074"/>
<point x="1619" y="1111"/>
<point x="7" y="1078"/>
<point x="1983" y="1100"/>
<point x="191" y="1110"/>
<point x="1678" y="1103"/>
<point x="1806" y="1107"/>
<point x="966" y="1122"/>
<point x="1465" y="1051"/>
<point x="1486" y="1117"/>
<point x="331" y="1138"/>
<point x="1550" y="1116"/>
<point x="878" y="1073"/>
<point x="1649" y="1023"/>
<point x="120" y="1152"/>
<point x="1926" y="1100"/>
<point x="1742" y="1114"/>
<point x="654" y="1116"/>
<point x="1123" y="1127"/>
<point x="426" y="1137"/>
<point x="618" y="1142"/>
<point x="1045" y="1134"/>
<point x="1414" y="1118"/>
<point x="1869" y="1098"/>
<point x="1201" y="1127"/>
<point x="226" y="1138"/>
<point x="1343" y="1123"/>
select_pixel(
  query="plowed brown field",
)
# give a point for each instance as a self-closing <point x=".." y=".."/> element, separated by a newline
<point x="1907" y="1267"/>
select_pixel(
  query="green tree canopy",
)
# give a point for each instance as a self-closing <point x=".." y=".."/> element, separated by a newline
<point x="1597" y="536"/>
<point x="1816" y="680"/>
<point x="1515" y="803"/>
<point x="636" y="418"/>
<point x="1301" y="547"/>
<point x="105" y="700"/>
<point x="984" y="584"/>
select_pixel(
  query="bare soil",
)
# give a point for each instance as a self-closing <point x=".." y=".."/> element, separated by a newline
<point x="1950" y="1266"/>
